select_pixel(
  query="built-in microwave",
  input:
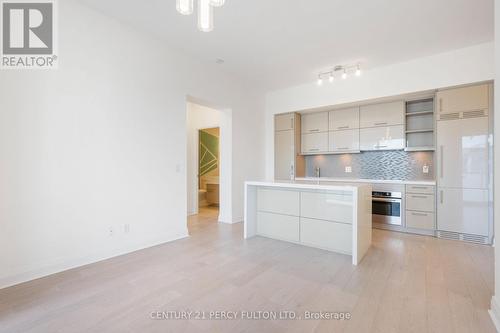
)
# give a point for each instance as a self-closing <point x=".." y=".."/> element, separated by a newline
<point x="386" y="208"/>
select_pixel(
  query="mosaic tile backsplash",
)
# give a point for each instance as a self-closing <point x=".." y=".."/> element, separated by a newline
<point x="394" y="165"/>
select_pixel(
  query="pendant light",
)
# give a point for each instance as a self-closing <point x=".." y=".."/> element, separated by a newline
<point x="185" y="7"/>
<point x="205" y="16"/>
<point x="217" y="3"/>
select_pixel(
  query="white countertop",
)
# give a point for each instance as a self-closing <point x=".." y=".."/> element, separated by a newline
<point x="301" y="185"/>
<point x="372" y="181"/>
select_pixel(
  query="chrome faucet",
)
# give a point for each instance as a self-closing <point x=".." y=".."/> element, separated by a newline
<point x="317" y="172"/>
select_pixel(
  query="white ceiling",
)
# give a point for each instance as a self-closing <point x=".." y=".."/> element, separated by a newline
<point x="279" y="43"/>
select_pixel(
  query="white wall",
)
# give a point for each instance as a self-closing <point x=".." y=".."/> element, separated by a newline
<point x="101" y="142"/>
<point x="198" y="117"/>
<point x="472" y="64"/>
<point x="495" y="302"/>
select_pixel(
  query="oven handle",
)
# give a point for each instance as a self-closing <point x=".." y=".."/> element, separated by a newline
<point x="386" y="200"/>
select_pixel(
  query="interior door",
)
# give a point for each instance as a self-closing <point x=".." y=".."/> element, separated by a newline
<point x="463" y="210"/>
<point x="284" y="154"/>
<point x="463" y="153"/>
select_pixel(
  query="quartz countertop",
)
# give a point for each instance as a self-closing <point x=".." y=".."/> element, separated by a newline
<point x="305" y="185"/>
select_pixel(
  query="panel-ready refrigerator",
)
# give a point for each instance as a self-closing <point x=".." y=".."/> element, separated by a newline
<point x="463" y="178"/>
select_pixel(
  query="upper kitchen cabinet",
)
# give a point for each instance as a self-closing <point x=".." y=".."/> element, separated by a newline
<point x="382" y="138"/>
<point x="315" y="143"/>
<point x="346" y="141"/>
<point x="284" y="122"/>
<point x="344" y="119"/>
<point x="314" y="122"/>
<point x="472" y="99"/>
<point x="383" y="114"/>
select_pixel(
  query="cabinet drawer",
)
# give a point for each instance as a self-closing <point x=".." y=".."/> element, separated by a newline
<point x="420" y="202"/>
<point x="314" y="143"/>
<point x="327" y="206"/>
<point x="278" y="201"/>
<point x="425" y="189"/>
<point x="278" y="226"/>
<point x="420" y="220"/>
<point x="314" y="122"/>
<point x="326" y="235"/>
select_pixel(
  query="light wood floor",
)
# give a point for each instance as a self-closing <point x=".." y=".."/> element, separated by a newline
<point x="405" y="284"/>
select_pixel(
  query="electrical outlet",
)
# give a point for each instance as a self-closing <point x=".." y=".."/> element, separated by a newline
<point x="348" y="169"/>
<point x="425" y="169"/>
<point x="126" y="228"/>
<point x="111" y="231"/>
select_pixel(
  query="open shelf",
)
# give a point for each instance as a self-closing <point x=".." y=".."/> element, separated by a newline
<point x="420" y="125"/>
<point x="419" y="113"/>
<point x="425" y="130"/>
<point x="420" y="149"/>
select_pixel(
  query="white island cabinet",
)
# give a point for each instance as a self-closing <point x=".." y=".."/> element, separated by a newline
<point x="329" y="217"/>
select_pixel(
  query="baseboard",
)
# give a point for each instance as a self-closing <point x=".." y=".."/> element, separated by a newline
<point x="495" y="313"/>
<point x="10" y="281"/>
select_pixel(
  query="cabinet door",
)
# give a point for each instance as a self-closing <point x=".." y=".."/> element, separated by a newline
<point x="327" y="235"/>
<point x="314" y="122"/>
<point x="463" y="99"/>
<point x="385" y="114"/>
<point x="463" y="211"/>
<point x="276" y="201"/>
<point x="278" y="226"/>
<point x="344" y="119"/>
<point x="284" y="154"/>
<point x="344" y="141"/>
<point x="382" y="138"/>
<point x="463" y="153"/>
<point x="314" y="143"/>
<point x="327" y="206"/>
<point x="284" y="122"/>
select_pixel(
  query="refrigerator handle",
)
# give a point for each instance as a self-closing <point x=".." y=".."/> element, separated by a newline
<point x="441" y="199"/>
<point x="441" y="162"/>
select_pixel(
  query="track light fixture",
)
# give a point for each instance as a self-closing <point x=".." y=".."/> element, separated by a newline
<point x="339" y="70"/>
<point x="344" y="75"/>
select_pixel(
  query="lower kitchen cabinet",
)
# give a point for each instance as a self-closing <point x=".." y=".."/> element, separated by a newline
<point x="326" y="206"/>
<point x="326" y="234"/>
<point x="420" y="202"/>
<point x="420" y="208"/>
<point x="278" y="201"/>
<point x="382" y="138"/>
<point x="283" y="227"/>
<point x="420" y="220"/>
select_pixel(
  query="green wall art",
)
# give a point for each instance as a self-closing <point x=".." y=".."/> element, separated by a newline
<point x="209" y="153"/>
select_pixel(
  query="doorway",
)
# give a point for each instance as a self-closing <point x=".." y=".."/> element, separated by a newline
<point x="208" y="169"/>
<point x="209" y="161"/>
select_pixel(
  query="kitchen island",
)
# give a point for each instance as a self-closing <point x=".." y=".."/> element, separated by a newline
<point x="331" y="217"/>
